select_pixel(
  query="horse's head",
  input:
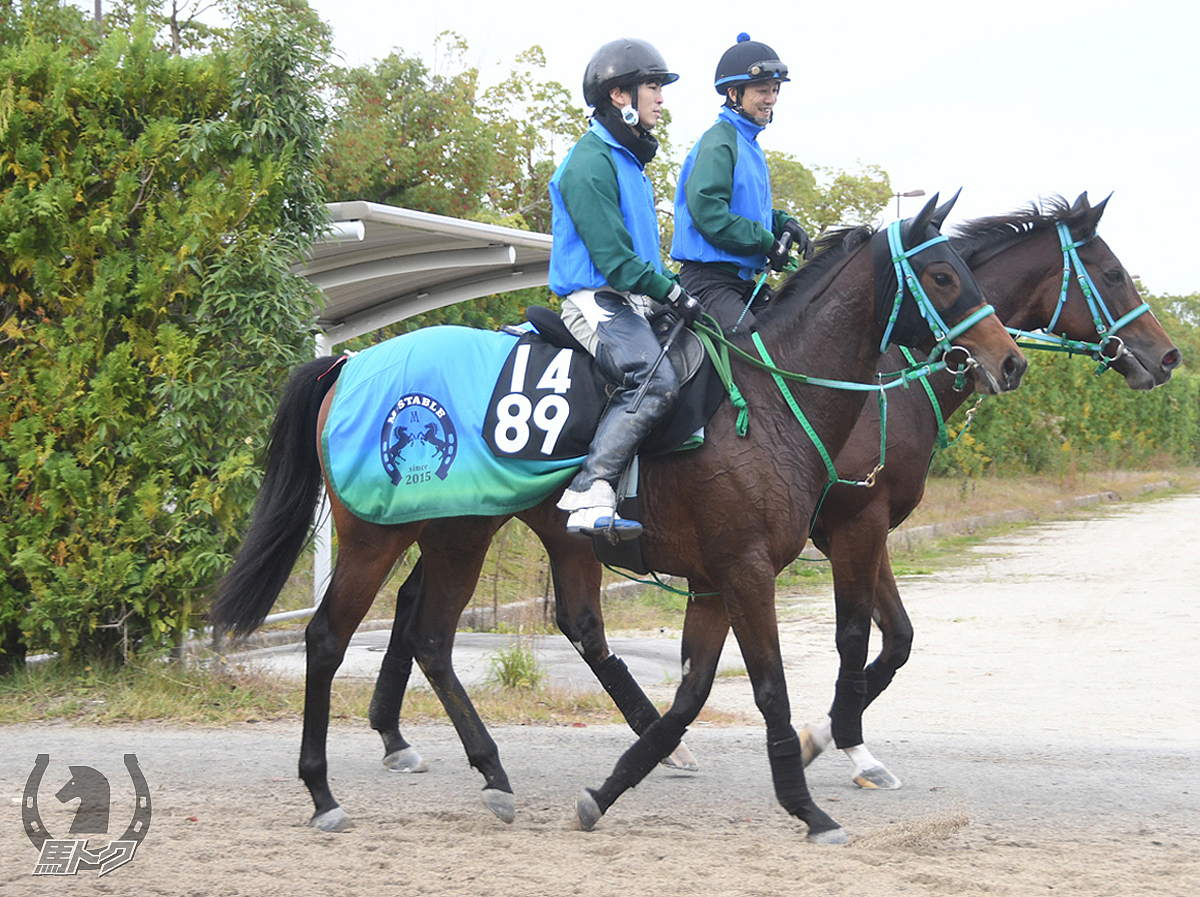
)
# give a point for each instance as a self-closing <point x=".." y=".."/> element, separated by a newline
<point x="927" y="298"/>
<point x="1100" y="303"/>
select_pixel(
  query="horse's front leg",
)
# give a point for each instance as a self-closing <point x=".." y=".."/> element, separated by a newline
<point x="576" y="576"/>
<point x="704" y="630"/>
<point x="858" y="557"/>
<point x="750" y="602"/>
<point x="897" y="631"/>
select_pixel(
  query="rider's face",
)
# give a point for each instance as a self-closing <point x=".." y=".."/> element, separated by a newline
<point x="649" y="102"/>
<point x="758" y="99"/>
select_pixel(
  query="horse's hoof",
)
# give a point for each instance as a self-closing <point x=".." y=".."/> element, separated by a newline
<point x="335" y="820"/>
<point x="810" y="749"/>
<point x="587" y="811"/>
<point x="681" y="760"/>
<point x="406" y="760"/>
<point x="501" y="803"/>
<point x="829" y="836"/>
<point x="877" y="777"/>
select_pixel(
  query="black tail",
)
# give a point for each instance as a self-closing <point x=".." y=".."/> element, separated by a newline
<point x="283" y="511"/>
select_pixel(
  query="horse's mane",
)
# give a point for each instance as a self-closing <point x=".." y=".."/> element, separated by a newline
<point x="832" y="248"/>
<point x="990" y="235"/>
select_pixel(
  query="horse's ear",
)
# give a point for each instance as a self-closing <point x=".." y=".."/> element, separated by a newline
<point x="1080" y="205"/>
<point x="919" y="224"/>
<point x="939" y="217"/>
<point x="1091" y="220"/>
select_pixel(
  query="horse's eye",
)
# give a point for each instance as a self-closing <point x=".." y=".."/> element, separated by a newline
<point x="943" y="280"/>
<point x="1114" y="275"/>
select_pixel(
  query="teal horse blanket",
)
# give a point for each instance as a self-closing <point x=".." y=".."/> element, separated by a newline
<point x="407" y="437"/>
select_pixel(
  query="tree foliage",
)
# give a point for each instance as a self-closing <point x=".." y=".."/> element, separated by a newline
<point x="825" y="197"/>
<point x="150" y="206"/>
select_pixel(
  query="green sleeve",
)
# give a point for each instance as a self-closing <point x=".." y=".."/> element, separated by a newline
<point x="779" y="218"/>
<point x="709" y="190"/>
<point x="592" y="198"/>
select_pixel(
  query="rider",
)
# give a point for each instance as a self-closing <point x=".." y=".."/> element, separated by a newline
<point x="726" y="232"/>
<point x="606" y="265"/>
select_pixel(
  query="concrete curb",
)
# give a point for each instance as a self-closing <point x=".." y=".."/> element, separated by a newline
<point x="908" y="538"/>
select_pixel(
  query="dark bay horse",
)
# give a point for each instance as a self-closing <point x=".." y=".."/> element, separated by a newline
<point x="728" y="516"/>
<point x="1019" y="260"/>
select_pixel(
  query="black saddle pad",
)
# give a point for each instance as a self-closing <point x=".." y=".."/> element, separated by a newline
<point x="550" y="396"/>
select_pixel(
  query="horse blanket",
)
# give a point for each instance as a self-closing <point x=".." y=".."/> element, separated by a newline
<point x="405" y="440"/>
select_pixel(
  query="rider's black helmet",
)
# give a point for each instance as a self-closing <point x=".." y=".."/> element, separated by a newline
<point x="623" y="62"/>
<point x="748" y="61"/>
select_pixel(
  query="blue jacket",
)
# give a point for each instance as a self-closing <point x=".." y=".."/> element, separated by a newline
<point x="604" y="225"/>
<point x="723" y="199"/>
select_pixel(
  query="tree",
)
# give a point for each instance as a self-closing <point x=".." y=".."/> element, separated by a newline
<point x="151" y="204"/>
<point x="406" y="135"/>
<point x="827" y="197"/>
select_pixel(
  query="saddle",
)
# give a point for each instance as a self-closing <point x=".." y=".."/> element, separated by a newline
<point x="687" y="353"/>
<point x="452" y="421"/>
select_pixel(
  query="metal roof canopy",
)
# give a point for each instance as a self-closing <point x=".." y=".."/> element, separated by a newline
<point x="379" y="264"/>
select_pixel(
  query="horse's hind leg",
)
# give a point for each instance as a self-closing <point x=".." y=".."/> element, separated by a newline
<point x="365" y="557"/>
<point x="452" y="554"/>
<point x="576" y="576"/>
<point x="390" y="686"/>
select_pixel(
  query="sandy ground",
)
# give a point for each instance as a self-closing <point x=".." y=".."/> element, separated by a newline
<point x="1047" y="732"/>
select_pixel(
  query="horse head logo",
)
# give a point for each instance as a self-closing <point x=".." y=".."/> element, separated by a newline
<point x="91" y="787"/>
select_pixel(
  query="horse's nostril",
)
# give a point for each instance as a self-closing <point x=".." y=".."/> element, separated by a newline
<point x="1172" y="360"/>
<point x="1013" y="368"/>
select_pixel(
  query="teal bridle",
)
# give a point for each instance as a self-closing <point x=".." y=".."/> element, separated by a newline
<point x="1108" y="347"/>
<point x="943" y="334"/>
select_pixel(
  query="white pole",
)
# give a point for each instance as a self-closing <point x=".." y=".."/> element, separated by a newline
<point x="323" y="541"/>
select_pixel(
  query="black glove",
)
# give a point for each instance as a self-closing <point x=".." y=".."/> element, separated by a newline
<point x="684" y="303"/>
<point x="777" y="255"/>
<point x="800" y="241"/>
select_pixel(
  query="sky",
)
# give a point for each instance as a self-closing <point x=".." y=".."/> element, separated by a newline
<point x="1009" y="101"/>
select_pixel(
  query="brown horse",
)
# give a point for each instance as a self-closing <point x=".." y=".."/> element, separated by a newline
<point x="1019" y="260"/>
<point x="727" y="516"/>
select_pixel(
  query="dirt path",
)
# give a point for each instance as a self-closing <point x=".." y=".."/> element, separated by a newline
<point x="1046" y="731"/>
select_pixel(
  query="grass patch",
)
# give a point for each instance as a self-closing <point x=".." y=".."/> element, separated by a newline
<point x="137" y="693"/>
<point x="515" y="666"/>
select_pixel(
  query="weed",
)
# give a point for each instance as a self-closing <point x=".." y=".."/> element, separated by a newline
<point x="516" y="666"/>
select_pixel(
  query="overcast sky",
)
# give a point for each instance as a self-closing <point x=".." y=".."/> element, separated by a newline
<point x="1008" y="100"/>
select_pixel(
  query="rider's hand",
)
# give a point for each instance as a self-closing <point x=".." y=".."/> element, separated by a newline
<point x="800" y="241"/>
<point x="777" y="255"/>
<point x="684" y="303"/>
